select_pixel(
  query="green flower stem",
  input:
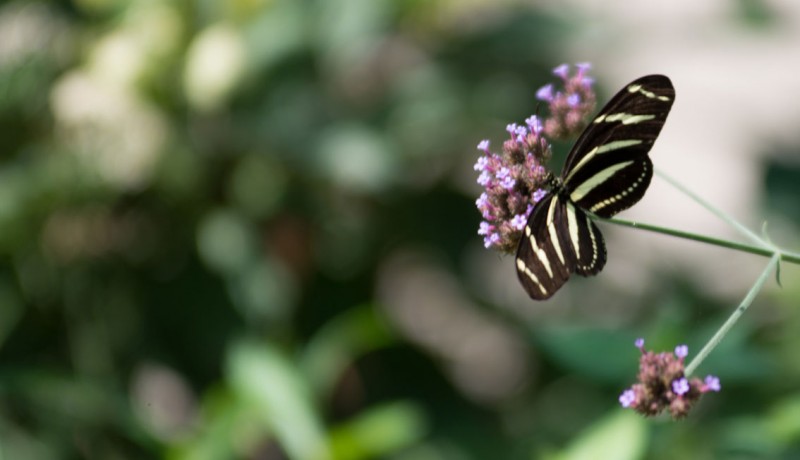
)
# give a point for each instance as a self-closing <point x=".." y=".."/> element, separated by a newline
<point x="785" y="256"/>
<point x="710" y="208"/>
<point x="748" y="299"/>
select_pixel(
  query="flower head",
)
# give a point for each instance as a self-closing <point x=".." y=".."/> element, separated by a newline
<point x="506" y="178"/>
<point x="627" y="398"/>
<point x="485" y="206"/>
<point x="534" y="124"/>
<point x="491" y="240"/>
<point x="681" y="351"/>
<point x="662" y="384"/>
<point x="545" y="93"/>
<point x="712" y="383"/>
<point x="573" y="100"/>
<point x="680" y="386"/>
<point x="485" y="178"/>
<point x="562" y="71"/>
<point x="519" y="221"/>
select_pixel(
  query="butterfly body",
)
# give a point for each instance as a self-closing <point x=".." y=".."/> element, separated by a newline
<point x="607" y="170"/>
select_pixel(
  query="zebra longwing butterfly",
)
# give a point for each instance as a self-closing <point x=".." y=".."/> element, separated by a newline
<point x="606" y="171"/>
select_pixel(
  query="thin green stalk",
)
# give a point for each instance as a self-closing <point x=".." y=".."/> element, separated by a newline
<point x="785" y="256"/>
<point x="748" y="299"/>
<point x="712" y="209"/>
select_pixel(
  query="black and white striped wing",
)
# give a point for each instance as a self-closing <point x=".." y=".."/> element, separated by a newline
<point x="608" y="169"/>
<point x="559" y="239"/>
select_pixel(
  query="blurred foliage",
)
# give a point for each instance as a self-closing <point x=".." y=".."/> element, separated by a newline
<point x="245" y="229"/>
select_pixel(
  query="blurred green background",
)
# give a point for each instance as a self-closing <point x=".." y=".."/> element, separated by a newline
<point x="246" y="229"/>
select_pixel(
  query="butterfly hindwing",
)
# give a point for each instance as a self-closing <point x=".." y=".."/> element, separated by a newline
<point x="545" y="256"/>
<point x="588" y="244"/>
<point x="608" y="170"/>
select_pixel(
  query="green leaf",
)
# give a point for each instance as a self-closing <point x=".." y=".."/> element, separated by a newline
<point x="379" y="431"/>
<point x="622" y="435"/>
<point x="783" y="421"/>
<point x="228" y="428"/>
<point x="356" y="332"/>
<point x="272" y="385"/>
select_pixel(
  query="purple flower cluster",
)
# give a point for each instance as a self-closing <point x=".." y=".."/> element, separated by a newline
<point x="662" y="384"/>
<point x="569" y="109"/>
<point x="515" y="179"/>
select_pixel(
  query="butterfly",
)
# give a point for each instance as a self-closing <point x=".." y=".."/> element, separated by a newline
<point x="606" y="171"/>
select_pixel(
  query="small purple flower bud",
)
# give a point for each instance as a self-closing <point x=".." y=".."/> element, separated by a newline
<point x="680" y="386"/>
<point x="481" y="164"/>
<point x="545" y="93"/>
<point x="511" y="128"/>
<point x="484" y="145"/>
<point x="681" y="351"/>
<point x="639" y="343"/>
<point x="519" y="221"/>
<point x="484" y="178"/>
<point x="521" y="132"/>
<point x="573" y="100"/>
<point x="562" y="71"/>
<point x="538" y="195"/>
<point x="482" y="200"/>
<point x="489" y="240"/>
<point x="534" y="124"/>
<point x="712" y="383"/>
<point x="485" y="228"/>
<point x="506" y="179"/>
<point x="587" y="82"/>
<point x="627" y="398"/>
<point x="583" y="67"/>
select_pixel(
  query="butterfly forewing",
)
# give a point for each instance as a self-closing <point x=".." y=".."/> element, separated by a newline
<point x="607" y="171"/>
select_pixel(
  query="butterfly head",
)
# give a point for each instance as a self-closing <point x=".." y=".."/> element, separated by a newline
<point x="553" y="182"/>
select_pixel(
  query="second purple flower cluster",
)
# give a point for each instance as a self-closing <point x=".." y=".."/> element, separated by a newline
<point x="662" y="384"/>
